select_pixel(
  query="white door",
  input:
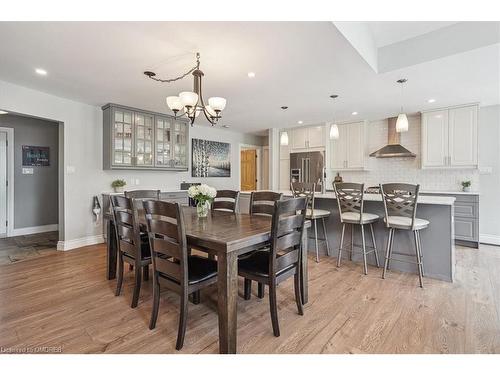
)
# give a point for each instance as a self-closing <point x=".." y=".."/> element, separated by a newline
<point x="338" y="149"/>
<point x="3" y="184"/>
<point x="299" y="138"/>
<point x="355" y="151"/>
<point x="435" y="139"/>
<point x="463" y="136"/>
<point x="284" y="174"/>
<point x="316" y="136"/>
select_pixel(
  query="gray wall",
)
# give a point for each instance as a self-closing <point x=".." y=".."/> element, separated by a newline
<point x="489" y="157"/>
<point x="36" y="195"/>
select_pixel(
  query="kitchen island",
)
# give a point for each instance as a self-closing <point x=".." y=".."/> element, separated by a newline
<point x="438" y="243"/>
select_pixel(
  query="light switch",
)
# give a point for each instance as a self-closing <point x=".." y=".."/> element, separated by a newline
<point x="27" y="170"/>
<point x="70" y="169"/>
<point x="137" y="181"/>
<point x="485" y="170"/>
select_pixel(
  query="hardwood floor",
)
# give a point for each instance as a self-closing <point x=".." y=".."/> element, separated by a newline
<point x="63" y="300"/>
<point x="19" y="248"/>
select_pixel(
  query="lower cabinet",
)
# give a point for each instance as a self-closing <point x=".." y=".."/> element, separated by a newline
<point x="466" y="218"/>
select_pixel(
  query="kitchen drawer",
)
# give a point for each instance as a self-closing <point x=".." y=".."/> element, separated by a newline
<point x="466" y="209"/>
<point x="466" y="229"/>
<point x="174" y="195"/>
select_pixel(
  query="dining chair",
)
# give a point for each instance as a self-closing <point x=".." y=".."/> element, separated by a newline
<point x="351" y="211"/>
<point x="133" y="248"/>
<point x="283" y="258"/>
<point x="262" y="203"/>
<point x="226" y="200"/>
<point x="400" y="205"/>
<point x="307" y="189"/>
<point x="173" y="268"/>
<point x="143" y="194"/>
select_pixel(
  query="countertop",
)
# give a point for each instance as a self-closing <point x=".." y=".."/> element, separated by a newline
<point x="422" y="199"/>
<point x="161" y="191"/>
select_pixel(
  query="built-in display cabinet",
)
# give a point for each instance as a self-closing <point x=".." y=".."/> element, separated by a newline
<point x="449" y="138"/>
<point x="348" y="151"/>
<point x="138" y="139"/>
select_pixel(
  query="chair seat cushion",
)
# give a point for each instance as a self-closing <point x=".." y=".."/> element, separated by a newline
<point x="402" y="222"/>
<point x="257" y="264"/>
<point x="317" y="213"/>
<point x="353" y="217"/>
<point x="201" y="269"/>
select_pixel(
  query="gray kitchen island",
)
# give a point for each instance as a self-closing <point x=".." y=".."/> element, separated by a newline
<point x="438" y="242"/>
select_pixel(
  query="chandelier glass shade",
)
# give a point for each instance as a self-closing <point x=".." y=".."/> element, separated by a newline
<point x="191" y="103"/>
<point x="284" y="139"/>
<point x="334" y="132"/>
<point x="402" y="121"/>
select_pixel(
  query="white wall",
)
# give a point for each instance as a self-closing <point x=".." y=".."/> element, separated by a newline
<point x="489" y="157"/>
<point x="83" y="151"/>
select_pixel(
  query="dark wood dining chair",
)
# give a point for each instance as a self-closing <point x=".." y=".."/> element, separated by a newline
<point x="283" y="258"/>
<point x="133" y="248"/>
<point x="262" y="203"/>
<point x="143" y="194"/>
<point x="226" y="200"/>
<point x="173" y="268"/>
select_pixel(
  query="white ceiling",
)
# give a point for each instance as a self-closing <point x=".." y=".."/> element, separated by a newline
<point x="389" y="32"/>
<point x="298" y="64"/>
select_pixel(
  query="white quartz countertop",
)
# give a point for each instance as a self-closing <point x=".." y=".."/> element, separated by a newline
<point x="422" y="199"/>
<point x="449" y="192"/>
<point x="161" y="191"/>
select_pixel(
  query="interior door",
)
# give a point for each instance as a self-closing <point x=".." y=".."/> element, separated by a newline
<point x="463" y="136"/>
<point x="3" y="183"/>
<point x="248" y="170"/>
<point x="435" y="139"/>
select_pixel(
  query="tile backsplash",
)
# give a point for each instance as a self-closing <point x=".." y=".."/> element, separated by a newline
<point x="384" y="170"/>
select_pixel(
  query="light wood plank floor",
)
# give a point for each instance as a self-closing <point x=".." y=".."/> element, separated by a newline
<point x="63" y="300"/>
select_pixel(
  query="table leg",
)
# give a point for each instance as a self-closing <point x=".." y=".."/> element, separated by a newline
<point x="111" y="250"/>
<point x="227" y="284"/>
<point x="304" y="288"/>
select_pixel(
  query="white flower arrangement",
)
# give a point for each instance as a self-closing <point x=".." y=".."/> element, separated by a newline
<point x="202" y="193"/>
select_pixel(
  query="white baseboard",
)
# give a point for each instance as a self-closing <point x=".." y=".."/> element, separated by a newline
<point x="80" y="242"/>
<point x="33" y="230"/>
<point x="489" y="239"/>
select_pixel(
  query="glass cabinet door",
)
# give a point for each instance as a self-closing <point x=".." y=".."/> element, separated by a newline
<point x="122" y="137"/>
<point x="179" y="144"/>
<point x="163" y="142"/>
<point x="143" y="139"/>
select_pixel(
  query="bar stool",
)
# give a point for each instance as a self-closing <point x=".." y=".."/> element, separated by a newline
<point x="400" y="204"/>
<point x="306" y="189"/>
<point x="350" y="202"/>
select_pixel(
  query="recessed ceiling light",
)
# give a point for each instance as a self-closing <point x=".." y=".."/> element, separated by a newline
<point x="251" y="75"/>
<point x="40" y="71"/>
<point x="431" y="100"/>
<point x="354" y="113"/>
<point x="300" y="122"/>
<point x="3" y="112"/>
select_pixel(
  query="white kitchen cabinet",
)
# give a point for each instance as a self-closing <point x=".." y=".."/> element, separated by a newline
<point x="284" y="174"/>
<point x="308" y="137"/>
<point x="348" y="152"/>
<point x="449" y="138"/>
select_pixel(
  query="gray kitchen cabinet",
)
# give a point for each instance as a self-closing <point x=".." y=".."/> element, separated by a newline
<point x="137" y="139"/>
<point x="466" y="218"/>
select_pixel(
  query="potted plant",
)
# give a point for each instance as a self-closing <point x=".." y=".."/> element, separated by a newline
<point x="203" y="195"/>
<point x="118" y="185"/>
<point x="466" y="185"/>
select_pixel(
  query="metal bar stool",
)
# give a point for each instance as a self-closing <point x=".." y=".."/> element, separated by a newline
<point x="306" y="189"/>
<point x="350" y="202"/>
<point x="400" y="204"/>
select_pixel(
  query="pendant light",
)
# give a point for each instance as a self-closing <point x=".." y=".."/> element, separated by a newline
<point x="334" y="129"/>
<point x="284" y="134"/>
<point x="402" y="121"/>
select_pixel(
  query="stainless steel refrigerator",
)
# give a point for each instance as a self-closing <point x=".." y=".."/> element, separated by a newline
<point x="308" y="167"/>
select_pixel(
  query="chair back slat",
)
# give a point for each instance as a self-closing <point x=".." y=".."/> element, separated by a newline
<point x="127" y="226"/>
<point x="304" y="189"/>
<point x="262" y="202"/>
<point x="167" y="238"/>
<point x="400" y="200"/>
<point x="143" y="194"/>
<point x="286" y="233"/>
<point x="226" y="200"/>
<point x="350" y="198"/>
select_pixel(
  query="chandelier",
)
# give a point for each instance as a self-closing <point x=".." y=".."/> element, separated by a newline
<point x="191" y="103"/>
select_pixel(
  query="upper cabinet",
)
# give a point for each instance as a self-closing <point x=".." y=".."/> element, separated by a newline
<point x="308" y="137"/>
<point x="136" y="139"/>
<point x="348" y="151"/>
<point x="449" y="138"/>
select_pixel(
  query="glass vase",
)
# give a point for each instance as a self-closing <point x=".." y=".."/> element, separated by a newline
<point x="202" y="209"/>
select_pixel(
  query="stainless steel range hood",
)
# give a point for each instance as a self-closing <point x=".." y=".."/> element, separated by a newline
<point x="393" y="149"/>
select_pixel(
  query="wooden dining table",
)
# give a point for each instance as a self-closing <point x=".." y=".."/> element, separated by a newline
<point x="226" y="235"/>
